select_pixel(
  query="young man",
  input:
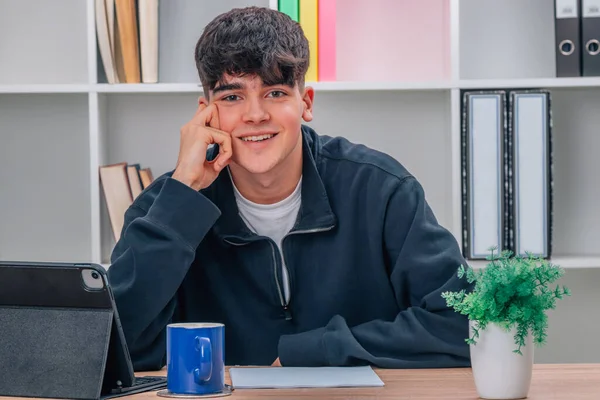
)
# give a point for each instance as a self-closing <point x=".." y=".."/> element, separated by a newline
<point x="311" y="250"/>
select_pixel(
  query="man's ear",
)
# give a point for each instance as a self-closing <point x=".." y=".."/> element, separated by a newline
<point x="203" y="100"/>
<point x="308" y="98"/>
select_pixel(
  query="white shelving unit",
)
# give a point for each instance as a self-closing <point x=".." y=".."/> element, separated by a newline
<point x="347" y="86"/>
<point x="59" y="120"/>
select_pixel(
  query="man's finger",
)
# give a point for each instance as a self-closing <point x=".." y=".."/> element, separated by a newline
<point x="201" y="107"/>
<point x="224" y="141"/>
<point x="212" y="118"/>
<point x="199" y="117"/>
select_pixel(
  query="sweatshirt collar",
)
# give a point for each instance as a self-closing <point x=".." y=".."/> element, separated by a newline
<point x="315" y="210"/>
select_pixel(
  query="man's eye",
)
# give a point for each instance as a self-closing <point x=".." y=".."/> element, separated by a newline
<point x="231" y="97"/>
<point x="277" y="93"/>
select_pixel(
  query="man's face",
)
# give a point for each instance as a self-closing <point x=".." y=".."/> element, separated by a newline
<point x="264" y="121"/>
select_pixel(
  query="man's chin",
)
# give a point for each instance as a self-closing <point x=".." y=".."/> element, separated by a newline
<point x="256" y="167"/>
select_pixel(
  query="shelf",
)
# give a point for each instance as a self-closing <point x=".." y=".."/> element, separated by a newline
<point x="564" y="262"/>
<point x="472" y="84"/>
<point x="45" y="88"/>
<point x="523" y="83"/>
<point x="148" y="88"/>
<point x="587" y="82"/>
<point x="582" y="82"/>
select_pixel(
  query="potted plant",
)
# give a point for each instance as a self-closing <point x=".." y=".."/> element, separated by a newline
<point x="507" y="315"/>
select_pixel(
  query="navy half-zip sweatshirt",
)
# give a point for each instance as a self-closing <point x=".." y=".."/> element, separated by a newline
<point x="367" y="264"/>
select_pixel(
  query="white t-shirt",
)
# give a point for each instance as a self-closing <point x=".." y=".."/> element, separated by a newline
<point x="272" y="220"/>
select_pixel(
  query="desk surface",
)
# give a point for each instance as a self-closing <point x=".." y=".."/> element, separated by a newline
<point x="549" y="382"/>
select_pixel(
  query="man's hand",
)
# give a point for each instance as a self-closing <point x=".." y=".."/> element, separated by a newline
<point x="192" y="167"/>
<point x="276" y="363"/>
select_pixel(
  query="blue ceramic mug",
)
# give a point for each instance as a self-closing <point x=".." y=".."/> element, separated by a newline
<point x="195" y="358"/>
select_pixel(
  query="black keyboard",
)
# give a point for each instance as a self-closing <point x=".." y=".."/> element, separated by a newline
<point x="143" y="380"/>
<point x="141" y="384"/>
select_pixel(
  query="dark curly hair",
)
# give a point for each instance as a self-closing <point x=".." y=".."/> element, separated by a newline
<point x="252" y="41"/>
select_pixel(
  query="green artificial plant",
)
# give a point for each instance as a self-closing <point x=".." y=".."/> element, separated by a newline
<point x="512" y="292"/>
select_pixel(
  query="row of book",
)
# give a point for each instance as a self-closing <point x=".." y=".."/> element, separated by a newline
<point x="506" y="149"/>
<point x="577" y="37"/>
<point x="127" y="35"/>
<point x="121" y="183"/>
<point x="317" y="19"/>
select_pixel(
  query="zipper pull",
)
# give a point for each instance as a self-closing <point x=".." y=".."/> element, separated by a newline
<point x="287" y="312"/>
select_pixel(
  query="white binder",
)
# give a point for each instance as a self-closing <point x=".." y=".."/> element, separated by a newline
<point x="484" y="193"/>
<point x="530" y="129"/>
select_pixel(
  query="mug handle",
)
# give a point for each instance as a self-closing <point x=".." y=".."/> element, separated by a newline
<point x="204" y="370"/>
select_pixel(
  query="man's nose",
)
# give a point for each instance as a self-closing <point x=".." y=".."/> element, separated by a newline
<point x="255" y="112"/>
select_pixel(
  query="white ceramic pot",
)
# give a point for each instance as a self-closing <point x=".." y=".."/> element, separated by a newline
<point x="499" y="373"/>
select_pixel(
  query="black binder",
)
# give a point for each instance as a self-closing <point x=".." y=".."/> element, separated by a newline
<point x="530" y="166"/>
<point x="484" y="173"/>
<point x="60" y="335"/>
<point x="590" y="37"/>
<point x="567" y="30"/>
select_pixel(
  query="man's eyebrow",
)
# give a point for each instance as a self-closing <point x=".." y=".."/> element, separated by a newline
<point x="228" y="86"/>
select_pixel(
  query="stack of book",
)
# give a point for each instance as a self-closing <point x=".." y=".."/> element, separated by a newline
<point x="317" y="19"/>
<point x="127" y="32"/>
<point x="507" y="172"/>
<point x="121" y="183"/>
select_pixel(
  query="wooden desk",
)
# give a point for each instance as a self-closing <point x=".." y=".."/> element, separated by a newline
<point x="549" y="382"/>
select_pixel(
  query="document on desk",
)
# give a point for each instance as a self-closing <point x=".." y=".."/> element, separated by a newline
<point x="303" y="377"/>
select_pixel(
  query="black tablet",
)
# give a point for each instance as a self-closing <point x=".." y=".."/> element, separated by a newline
<point x="60" y="334"/>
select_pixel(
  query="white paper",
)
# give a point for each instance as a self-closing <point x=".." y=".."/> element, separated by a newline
<point x="566" y="8"/>
<point x="591" y="8"/>
<point x="303" y="377"/>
